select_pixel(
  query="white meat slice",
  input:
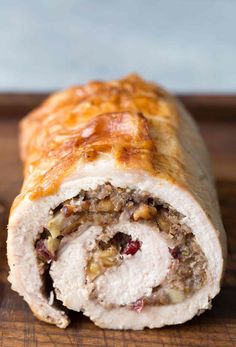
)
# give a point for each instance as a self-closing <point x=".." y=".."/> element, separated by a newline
<point x="29" y="218"/>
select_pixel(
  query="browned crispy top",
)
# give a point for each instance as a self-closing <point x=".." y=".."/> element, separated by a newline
<point x="135" y="121"/>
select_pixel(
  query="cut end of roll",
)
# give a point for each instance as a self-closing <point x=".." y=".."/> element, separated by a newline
<point x="116" y="252"/>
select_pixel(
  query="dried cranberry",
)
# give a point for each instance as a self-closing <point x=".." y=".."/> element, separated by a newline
<point x="175" y="252"/>
<point x="42" y="252"/>
<point x="131" y="247"/>
<point x="137" y="306"/>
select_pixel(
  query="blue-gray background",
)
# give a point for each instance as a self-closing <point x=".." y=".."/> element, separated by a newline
<point x="186" y="45"/>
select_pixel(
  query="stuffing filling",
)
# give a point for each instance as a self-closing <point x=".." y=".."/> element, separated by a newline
<point x="108" y="205"/>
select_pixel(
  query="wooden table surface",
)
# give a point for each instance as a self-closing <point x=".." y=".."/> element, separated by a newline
<point x="216" y="116"/>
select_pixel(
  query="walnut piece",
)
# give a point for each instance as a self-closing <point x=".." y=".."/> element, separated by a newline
<point x="101" y="260"/>
<point x="145" y="212"/>
<point x="105" y="206"/>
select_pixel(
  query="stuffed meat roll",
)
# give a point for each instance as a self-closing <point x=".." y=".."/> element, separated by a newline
<point x="118" y="215"/>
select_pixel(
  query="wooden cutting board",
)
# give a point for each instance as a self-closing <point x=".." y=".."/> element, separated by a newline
<point x="216" y="116"/>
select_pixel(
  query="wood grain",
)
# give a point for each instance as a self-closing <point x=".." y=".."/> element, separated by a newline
<point x="216" y="116"/>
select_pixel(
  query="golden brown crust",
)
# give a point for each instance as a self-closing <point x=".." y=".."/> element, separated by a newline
<point x="82" y="122"/>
